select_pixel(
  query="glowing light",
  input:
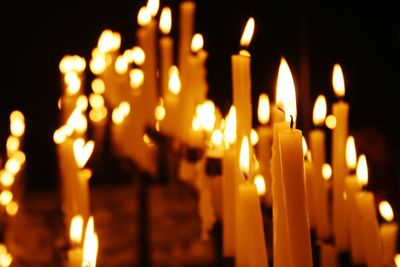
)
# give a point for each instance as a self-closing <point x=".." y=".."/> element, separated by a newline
<point x="59" y="136"/>
<point x="97" y="65"/>
<point x="397" y="260"/>
<point x="247" y="33"/>
<point x="386" y="211"/>
<point x="117" y="116"/>
<point x="362" y="170"/>
<point x="330" y="122"/>
<point x="244" y="157"/>
<point x="109" y="41"/>
<point x="206" y="115"/>
<point x="5" y="197"/>
<point x="259" y="182"/>
<point x="76" y="228"/>
<point x="197" y="43"/>
<point x="351" y="155"/>
<point x="5" y="259"/>
<point x="13" y="166"/>
<point x="19" y="156"/>
<point x="319" y="113"/>
<point x="147" y="140"/>
<point x="12" y="144"/>
<point x="98" y="114"/>
<point x="90" y="244"/>
<point x="138" y="55"/>
<point x="136" y="77"/>
<point x="17" y="123"/>
<point x="6" y="179"/>
<point x="79" y="63"/>
<point x="12" y="208"/>
<point x="338" y="81"/>
<point x="121" y="65"/>
<point x="305" y="147"/>
<point x="285" y="91"/>
<point x="263" y="109"/>
<point x="217" y="137"/>
<point x="326" y="171"/>
<point x="144" y="16"/>
<point x="230" y="126"/>
<point x="160" y="112"/>
<point x="254" y="138"/>
<point x="82" y="151"/>
<point x="166" y="20"/>
<point x="153" y="6"/>
<point x="85" y="174"/>
<point x="98" y="86"/>
<point x="66" y="64"/>
<point x="125" y="108"/>
<point x="174" y="81"/>
<point x="96" y="101"/>
<point x="82" y="103"/>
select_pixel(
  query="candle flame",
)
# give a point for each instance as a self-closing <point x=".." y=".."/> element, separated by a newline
<point x="76" y="228"/>
<point x="166" y="20"/>
<point x="98" y="114"/>
<point x="59" y="136"/>
<point x="121" y="65"/>
<point x="136" y="78"/>
<point x="197" y="42"/>
<point x="244" y="158"/>
<point x="285" y="91"/>
<point x="98" y="65"/>
<point x="362" y="170"/>
<point x="397" y="260"/>
<point x="247" y="33"/>
<point x="96" y="100"/>
<point x="259" y="182"/>
<point x="144" y="16"/>
<point x="254" y="138"/>
<point x="138" y="55"/>
<point x="17" y="123"/>
<point x="82" y="151"/>
<point x="12" y="208"/>
<point x="338" y="81"/>
<point x="319" y="113"/>
<point x="153" y="6"/>
<point x="12" y="144"/>
<point x="206" y="114"/>
<point x="5" y="257"/>
<point x="217" y="137"/>
<point x="90" y="244"/>
<point x="386" y="211"/>
<point x="5" y="197"/>
<point x="263" y="109"/>
<point x="160" y="111"/>
<point x="330" y="122"/>
<point x="6" y="179"/>
<point x="174" y="81"/>
<point x="98" y="86"/>
<point x="108" y="41"/>
<point x="230" y="126"/>
<point x="326" y="171"/>
<point x="13" y="166"/>
<point x="305" y="147"/>
<point x="351" y="155"/>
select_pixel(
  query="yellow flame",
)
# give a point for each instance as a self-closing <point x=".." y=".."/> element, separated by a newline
<point x="108" y="41"/>
<point x="174" y="82"/>
<point x="305" y="147"/>
<point x="76" y="229"/>
<point x="319" y="113"/>
<point x="166" y="20"/>
<point x="326" y="171"/>
<point x="285" y="91"/>
<point x="330" y="122"/>
<point x="5" y="258"/>
<point x="12" y="166"/>
<point x="79" y="63"/>
<point x="217" y="137"/>
<point x="125" y="108"/>
<point x="153" y="6"/>
<point x="12" y="208"/>
<point x="244" y="158"/>
<point x="362" y="170"/>
<point x="5" y="197"/>
<point x="121" y="65"/>
<point x="197" y="42"/>
<point x="82" y="151"/>
<point x="263" y="109"/>
<point x="147" y="140"/>
<point x="386" y="211"/>
<point x="90" y="244"/>
<point x="6" y="179"/>
<point x="144" y="16"/>
<point x="196" y="125"/>
<point x="96" y="100"/>
<point x="230" y="126"/>
<point x="66" y="64"/>
<point x="160" y="112"/>
<point x="338" y="81"/>
<point x="73" y="83"/>
<point x="136" y="78"/>
<point x="12" y="144"/>
<point x="259" y="182"/>
<point x="206" y="114"/>
<point x="138" y="55"/>
<point x="397" y="260"/>
<point x="117" y="116"/>
<point x="59" y="136"/>
<point x="98" y="114"/>
<point x="247" y="33"/>
<point x="351" y="155"/>
<point x="82" y="103"/>
<point x="97" y="65"/>
<point x="17" y="123"/>
<point x="254" y="138"/>
<point x="77" y="121"/>
<point x="19" y="156"/>
<point x="98" y="86"/>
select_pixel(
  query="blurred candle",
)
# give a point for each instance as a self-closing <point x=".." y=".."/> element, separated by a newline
<point x="166" y="48"/>
<point x="328" y="256"/>
<point x="308" y="181"/>
<point x="388" y="231"/>
<point x="340" y="110"/>
<point x="186" y="25"/>
<point x="75" y="253"/>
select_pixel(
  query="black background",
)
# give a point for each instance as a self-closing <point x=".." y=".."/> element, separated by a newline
<point x="364" y="40"/>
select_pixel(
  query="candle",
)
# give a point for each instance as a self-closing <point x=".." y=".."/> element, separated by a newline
<point x="171" y="125"/>
<point x="352" y="188"/>
<point x="186" y="22"/>
<point x="317" y="145"/>
<point x="98" y="120"/>
<point x="388" y="231"/>
<point x="308" y="182"/>
<point x="365" y="203"/>
<point x="294" y="195"/>
<point x="75" y="253"/>
<point x="328" y="256"/>
<point x="340" y="110"/>
<point x="166" y="48"/>
<point x="263" y="147"/>
<point x="90" y="244"/>
<point x="251" y="225"/>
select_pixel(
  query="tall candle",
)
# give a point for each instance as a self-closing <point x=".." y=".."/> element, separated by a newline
<point x="171" y="125"/>
<point x="328" y="256"/>
<point x="365" y="203"/>
<point x="340" y="110"/>
<point x="166" y="48"/>
<point x="186" y="25"/>
<point x="308" y="181"/>
<point x="388" y="231"/>
<point x="264" y="144"/>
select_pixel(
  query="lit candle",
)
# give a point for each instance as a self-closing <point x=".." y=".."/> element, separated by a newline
<point x="171" y="125"/>
<point x="263" y="147"/>
<point x="365" y="203"/>
<point x="98" y="120"/>
<point x="353" y="186"/>
<point x="166" y="48"/>
<point x="251" y="225"/>
<point x="90" y="244"/>
<point x="75" y="253"/>
<point x="340" y="110"/>
<point x="294" y="195"/>
<point x="186" y="25"/>
<point x="388" y="231"/>
<point x="309" y="183"/>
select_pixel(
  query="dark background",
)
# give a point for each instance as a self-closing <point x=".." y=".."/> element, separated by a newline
<point x="365" y="41"/>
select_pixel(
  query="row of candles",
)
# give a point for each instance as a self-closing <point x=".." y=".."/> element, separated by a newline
<point x="242" y="168"/>
<point x="11" y="175"/>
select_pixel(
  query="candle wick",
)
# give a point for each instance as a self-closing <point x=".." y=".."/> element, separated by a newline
<point x="291" y="122"/>
<point x="281" y="109"/>
<point x="245" y="176"/>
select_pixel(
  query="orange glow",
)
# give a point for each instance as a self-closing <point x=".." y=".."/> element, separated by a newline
<point x="147" y="140"/>
<point x="319" y="113"/>
<point x="386" y="211"/>
<point x="12" y="166"/>
<point x="285" y="91"/>
<point x="82" y="151"/>
<point x="138" y="55"/>
<point x="96" y="100"/>
<point x="330" y="122"/>
<point x="12" y="208"/>
<point x="174" y="81"/>
<point x="244" y="157"/>
<point x="97" y="65"/>
<point x="136" y="78"/>
<point x="338" y="81"/>
<point x="326" y="171"/>
<point x="263" y="109"/>
<point x="259" y="182"/>
<point x="166" y="20"/>
<point x="254" y="138"/>
<point x="362" y="170"/>
<point x="121" y="65"/>
<point x="397" y="260"/>
<point x="144" y="16"/>
<point x="247" y="33"/>
<point x="160" y="111"/>
<point x="5" y="197"/>
<point x="76" y="229"/>
<point x="98" y="86"/>
<point x="6" y="179"/>
<point x="153" y="6"/>
<point x="351" y="155"/>
<point x="305" y="147"/>
<point x="230" y="126"/>
<point x="206" y="114"/>
<point x="217" y="137"/>
<point x="17" y="123"/>
<point x="12" y="144"/>
<point x="197" y="43"/>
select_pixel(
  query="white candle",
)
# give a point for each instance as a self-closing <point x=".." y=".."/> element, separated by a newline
<point x="166" y="48"/>
<point x="388" y="231"/>
<point x="186" y="25"/>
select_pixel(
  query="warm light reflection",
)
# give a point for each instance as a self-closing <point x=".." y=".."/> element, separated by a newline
<point x="174" y="81"/>
<point x="144" y="16"/>
<point x="285" y="91"/>
<point x="254" y="138"/>
<point x="5" y="197"/>
<point x="362" y="170"/>
<point x="244" y="158"/>
<point x="330" y="122"/>
<point x="386" y="211"/>
<point x="12" y="208"/>
<point x="319" y="112"/>
<point x="217" y="137"/>
<point x="136" y="78"/>
<point x="85" y="174"/>
<point x="326" y="171"/>
<point x="259" y="182"/>
<point x="230" y="126"/>
<point x="338" y="81"/>
<point x="6" y="179"/>
<point x="305" y="147"/>
<point x="82" y="151"/>
<point x="76" y="229"/>
<point x="263" y="108"/>
<point x="197" y="42"/>
<point x="351" y="155"/>
<point x="166" y="20"/>
<point x="247" y="33"/>
<point x="153" y="6"/>
<point x="121" y="65"/>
